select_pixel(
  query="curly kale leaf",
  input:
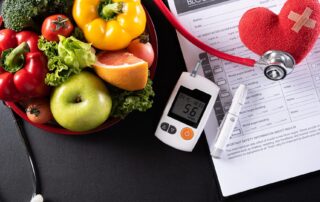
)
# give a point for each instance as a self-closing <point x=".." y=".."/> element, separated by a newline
<point x="124" y="102"/>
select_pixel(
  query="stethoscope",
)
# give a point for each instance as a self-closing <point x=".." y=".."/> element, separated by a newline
<point x="36" y="196"/>
<point x="275" y="64"/>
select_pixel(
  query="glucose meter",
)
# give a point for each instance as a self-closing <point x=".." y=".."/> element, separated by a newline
<point x="187" y="111"/>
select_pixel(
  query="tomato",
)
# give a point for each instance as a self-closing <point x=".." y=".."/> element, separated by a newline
<point x="142" y="49"/>
<point x="56" y="25"/>
<point x="7" y="39"/>
<point x="38" y="111"/>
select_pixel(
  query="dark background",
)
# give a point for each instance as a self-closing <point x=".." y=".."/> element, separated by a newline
<point x="126" y="163"/>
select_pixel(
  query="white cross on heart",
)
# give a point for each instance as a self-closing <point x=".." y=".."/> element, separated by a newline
<point x="302" y="20"/>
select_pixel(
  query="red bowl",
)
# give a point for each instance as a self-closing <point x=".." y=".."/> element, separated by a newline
<point x="111" y="121"/>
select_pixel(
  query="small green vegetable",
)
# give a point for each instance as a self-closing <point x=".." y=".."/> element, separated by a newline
<point x="65" y="58"/>
<point x="20" y="14"/>
<point x="124" y="102"/>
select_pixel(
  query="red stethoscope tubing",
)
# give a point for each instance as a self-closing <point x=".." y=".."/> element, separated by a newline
<point x="176" y="24"/>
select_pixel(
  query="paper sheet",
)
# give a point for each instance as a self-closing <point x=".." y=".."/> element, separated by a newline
<point x="278" y="134"/>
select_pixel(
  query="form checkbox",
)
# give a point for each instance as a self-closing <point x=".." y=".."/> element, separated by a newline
<point x="213" y="59"/>
<point x="221" y="82"/>
<point x="225" y="94"/>
<point x="218" y="70"/>
<point x="236" y="132"/>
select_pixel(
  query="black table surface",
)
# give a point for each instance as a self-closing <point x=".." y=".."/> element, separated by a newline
<point x="126" y="162"/>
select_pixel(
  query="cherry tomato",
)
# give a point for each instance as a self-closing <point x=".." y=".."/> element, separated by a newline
<point x="142" y="49"/>
<point x="38" y="111"/>
<point x="56" y="25"/>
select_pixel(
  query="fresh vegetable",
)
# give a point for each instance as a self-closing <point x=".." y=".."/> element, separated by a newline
<point x="75" y="53"/>
<point x="38" y="111"/>
<point x="55" y="25"/>
<point x="24" y="67"/>
<point x="110" y="24"/>
<point x="66" y="58"/>
<point x="122" y="69"/>
<point x="142" y="49"/>
<point x="20" y="14"/>
<point x="124" y="102"/>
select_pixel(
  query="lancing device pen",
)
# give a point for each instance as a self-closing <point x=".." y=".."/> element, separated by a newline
<point x="229" y="122"/>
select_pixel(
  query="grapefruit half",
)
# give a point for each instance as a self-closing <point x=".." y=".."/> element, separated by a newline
<point x="122" y="69"/>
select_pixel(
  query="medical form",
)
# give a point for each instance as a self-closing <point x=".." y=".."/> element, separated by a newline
<point x="278" y="134"/>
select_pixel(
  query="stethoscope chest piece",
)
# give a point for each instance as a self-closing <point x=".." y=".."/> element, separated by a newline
<point x="276" y="65"/>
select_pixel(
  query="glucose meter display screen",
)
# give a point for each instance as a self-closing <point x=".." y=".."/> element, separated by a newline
<point x="189" y="106"/>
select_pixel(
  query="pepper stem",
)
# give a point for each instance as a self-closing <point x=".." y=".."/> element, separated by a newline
<point x="34" y="110"/>
<point x="14" y="58"/>
<point x="144" y="38"/>
<point x="110" y="10"/>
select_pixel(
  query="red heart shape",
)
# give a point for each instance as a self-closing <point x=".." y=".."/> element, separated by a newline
<point x="262" y="30"/>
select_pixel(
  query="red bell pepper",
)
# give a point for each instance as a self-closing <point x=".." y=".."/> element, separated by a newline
<point x="24" y="66"/>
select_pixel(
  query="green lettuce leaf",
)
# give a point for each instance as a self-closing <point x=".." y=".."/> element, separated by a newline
<point x="65" y="58"/>
<point x="76" y="53"/>
<point x="58" y="72"/>
<point x="50" y="48"/>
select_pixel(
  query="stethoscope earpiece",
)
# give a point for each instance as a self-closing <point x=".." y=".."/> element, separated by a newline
<point x="276" y="65"/>
<point x="37" y="198"/>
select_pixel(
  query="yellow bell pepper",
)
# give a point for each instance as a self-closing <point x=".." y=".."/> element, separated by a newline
<point x="109" y="24"/>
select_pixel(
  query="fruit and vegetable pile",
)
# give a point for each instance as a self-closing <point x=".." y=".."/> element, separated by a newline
<point x="75" y="63"/>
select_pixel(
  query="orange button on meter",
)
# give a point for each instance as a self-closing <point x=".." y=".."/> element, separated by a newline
<point x="187" y="133"/>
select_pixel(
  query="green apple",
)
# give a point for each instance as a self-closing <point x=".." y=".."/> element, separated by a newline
<point x="81" y="103"/>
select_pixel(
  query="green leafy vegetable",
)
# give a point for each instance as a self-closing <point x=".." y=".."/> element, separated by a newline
<point x="50" y="48"/>
<point x="59" y="72"/>
<point x="65" y="58"/>
<point x="124" y="102"/>
<point x="20" y="14"/>
<point x="76" y="53"/>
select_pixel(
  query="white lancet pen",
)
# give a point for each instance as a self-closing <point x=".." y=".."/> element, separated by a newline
<point x="229" y="122"/>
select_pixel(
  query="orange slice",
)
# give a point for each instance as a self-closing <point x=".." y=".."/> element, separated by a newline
<point x="122" y="69"/>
